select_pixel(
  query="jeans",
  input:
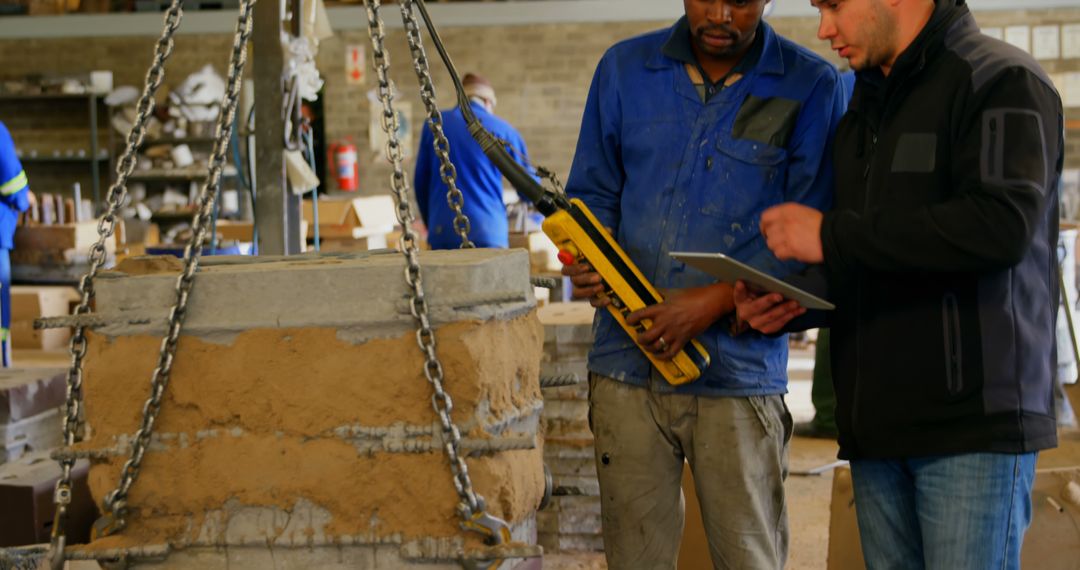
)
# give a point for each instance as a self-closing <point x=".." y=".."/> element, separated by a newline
<point x="955" y="512"/>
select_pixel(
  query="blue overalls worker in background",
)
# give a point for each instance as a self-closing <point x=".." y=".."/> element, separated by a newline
<point x="14" y="198"/>
<point x="689" y="133"/>
<point x="477" y="178"/>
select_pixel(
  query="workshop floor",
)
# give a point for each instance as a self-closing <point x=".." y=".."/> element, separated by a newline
<point x="808" y="496"/>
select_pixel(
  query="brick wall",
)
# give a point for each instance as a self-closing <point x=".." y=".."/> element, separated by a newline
<point x="541" y="73"/>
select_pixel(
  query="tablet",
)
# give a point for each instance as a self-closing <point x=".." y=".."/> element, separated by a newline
<point x="727" y="269"/>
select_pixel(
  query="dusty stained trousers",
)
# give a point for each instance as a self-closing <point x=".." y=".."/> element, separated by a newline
<point x="737" y="450"/>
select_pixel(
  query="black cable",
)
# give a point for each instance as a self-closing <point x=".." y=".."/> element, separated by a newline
<point x="463" y="99"/>
<point x="546" y="202"/>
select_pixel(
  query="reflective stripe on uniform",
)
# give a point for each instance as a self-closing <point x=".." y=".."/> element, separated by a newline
<point x="15" y="184"/>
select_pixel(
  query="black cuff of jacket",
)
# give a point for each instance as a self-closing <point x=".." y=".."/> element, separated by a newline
<point x="836" y="228"/>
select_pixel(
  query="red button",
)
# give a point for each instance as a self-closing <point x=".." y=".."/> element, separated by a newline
<point x="566" y="257"/>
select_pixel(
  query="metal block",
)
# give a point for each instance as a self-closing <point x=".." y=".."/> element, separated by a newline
<point x="40" y="432"/>
<point x="28" y="392"/>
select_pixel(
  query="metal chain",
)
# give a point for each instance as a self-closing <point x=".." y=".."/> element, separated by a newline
<point x="471" y="503"/>
<point x="447" y="171"/>
<point x="116" y="501"/>
<point x="115" y="199"/>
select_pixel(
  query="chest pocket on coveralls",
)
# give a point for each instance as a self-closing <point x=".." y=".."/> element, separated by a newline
<point x="747" y="177"/>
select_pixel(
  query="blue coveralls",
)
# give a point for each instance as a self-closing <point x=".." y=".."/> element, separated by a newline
<point x="671" y="170"/>
<point x="477" y="178"/>
<point x="14" y="195"/>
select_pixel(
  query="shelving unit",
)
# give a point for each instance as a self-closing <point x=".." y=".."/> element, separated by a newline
<point x="25" y="159"/>
<point x="48" y="154"/>
<point x="157" y="179"/>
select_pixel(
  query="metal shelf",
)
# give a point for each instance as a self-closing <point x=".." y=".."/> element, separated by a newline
<point x="92" y="102"/>
<point x="176" y="175"/>
<point x="174" y="140"/>
<point x="172" y="215"/>
<point x="47" y="158"/>
<point x="50" y="96"/>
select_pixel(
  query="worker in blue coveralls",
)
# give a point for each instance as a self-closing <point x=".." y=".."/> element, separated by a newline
<point x="689" y="133"/>
<point x="478" y="179"/>
<point x="14" y="196"/>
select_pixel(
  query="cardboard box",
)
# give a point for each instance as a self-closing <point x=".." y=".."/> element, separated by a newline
<point x="139" y="232"/>
<point x="1051" y="543"/>
<point x="543" y="255"/>
<point x="379" y="241"/>
<point x="244" y="231"/>
<point x="57" y="244"/>
<point x="46" y="7"/>
<point x="353" y="218"/>
<point x="95" y="6"/>
<point x="394" y="237"/>
<point x="239" y="231"/>
<point x="26" y="492"/>
<point x="30" y="302"/>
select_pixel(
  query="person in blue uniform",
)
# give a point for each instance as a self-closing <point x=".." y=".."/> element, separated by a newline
<point x="689" y="134"/>
<point x="15" y="198"/>
<point x="479" y="181"/>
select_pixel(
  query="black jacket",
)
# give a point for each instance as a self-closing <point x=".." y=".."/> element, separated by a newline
<point x="941" y="249"/>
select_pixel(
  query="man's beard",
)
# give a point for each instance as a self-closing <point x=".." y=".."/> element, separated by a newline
<point x="731" y="49"/>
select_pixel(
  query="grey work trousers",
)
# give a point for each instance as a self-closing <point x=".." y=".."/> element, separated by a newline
<point x="737" y="451"/>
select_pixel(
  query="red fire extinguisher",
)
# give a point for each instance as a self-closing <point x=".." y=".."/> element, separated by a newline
<point x="346" y="165"/>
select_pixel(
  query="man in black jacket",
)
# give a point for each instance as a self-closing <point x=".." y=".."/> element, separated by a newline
<point x="940" y="257"/>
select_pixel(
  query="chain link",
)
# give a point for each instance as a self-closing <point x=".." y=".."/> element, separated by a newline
<point x="116" y="507"/>
<point x="117" y="195"/>
<point x="471" y="503"/>
<point x="447" y="171"/>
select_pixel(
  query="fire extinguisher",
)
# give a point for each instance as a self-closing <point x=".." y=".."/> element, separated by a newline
<point x="346" y="165"/>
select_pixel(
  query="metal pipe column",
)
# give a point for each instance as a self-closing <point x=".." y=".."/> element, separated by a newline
<point x="278" y="210"/>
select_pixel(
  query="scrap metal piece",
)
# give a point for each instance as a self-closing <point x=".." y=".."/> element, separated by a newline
<point x="559" y="380"/>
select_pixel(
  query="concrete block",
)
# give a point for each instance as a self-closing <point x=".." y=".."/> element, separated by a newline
<point x="298" y="416"/>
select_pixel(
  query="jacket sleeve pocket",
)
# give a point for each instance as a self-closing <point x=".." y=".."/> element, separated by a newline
<point x="1013" y="149"/>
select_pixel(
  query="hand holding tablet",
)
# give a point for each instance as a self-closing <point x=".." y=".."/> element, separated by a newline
<point x="727" y="269"/>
